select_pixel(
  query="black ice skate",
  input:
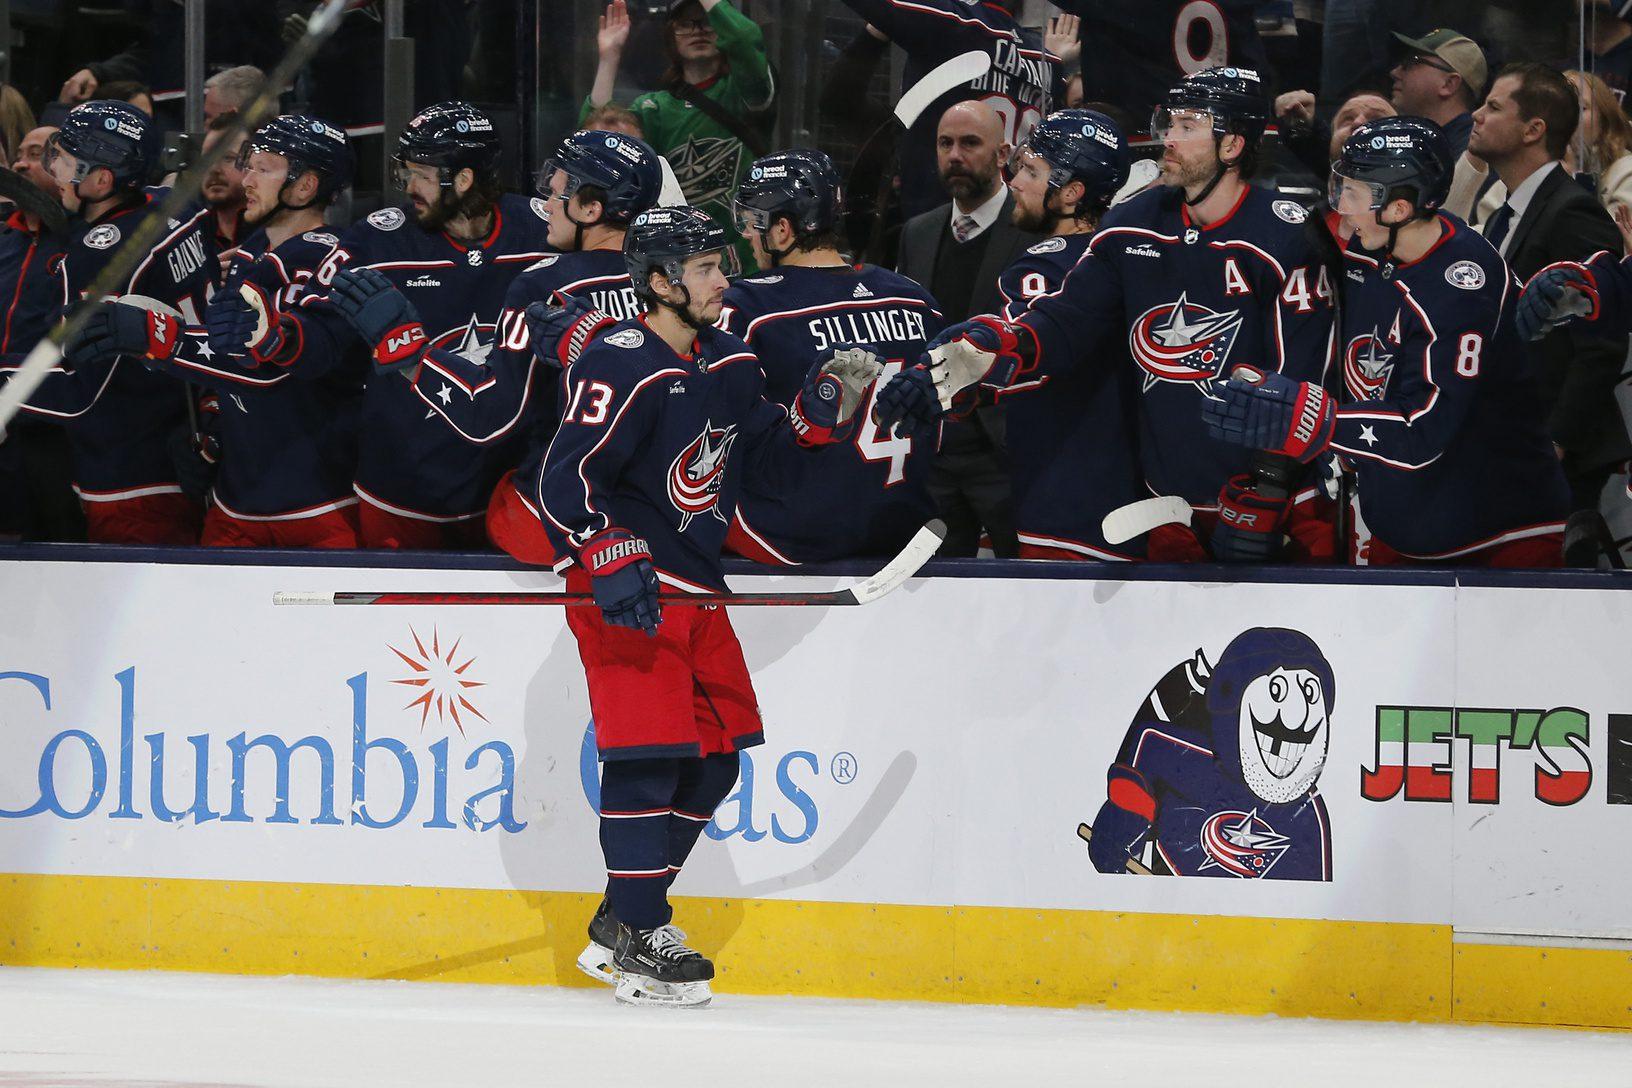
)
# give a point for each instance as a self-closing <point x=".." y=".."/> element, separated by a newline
<point x="596" y="958"/>
<point x="655" y="967"/>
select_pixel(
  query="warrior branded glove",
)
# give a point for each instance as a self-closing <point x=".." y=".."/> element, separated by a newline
<point x="1123" y="821"/>
<point x="559" y="334"/>
<point x="1267" y="411"/>
<point x="1555" y="296"/>
<point x="243" y="322"/>
<point x="623" y="579"/>
<point x="1249" y="523"/>
<point x="116" y="328"/>
<point x="839" y="378"/>
<point x="385" y="320"/>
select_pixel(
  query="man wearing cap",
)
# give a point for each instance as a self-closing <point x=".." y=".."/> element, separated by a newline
<point x="1440" y="77"/>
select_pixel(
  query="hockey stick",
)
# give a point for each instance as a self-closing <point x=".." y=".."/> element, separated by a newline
<point x="1137" y="518"/>
<point x="48" y="352"/>
<point x="924" y="544"/>
<point x="1136" y="867"/>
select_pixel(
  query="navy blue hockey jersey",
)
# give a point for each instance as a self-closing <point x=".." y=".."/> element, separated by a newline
<point x="118" y="414"/>
<point x="1191" y="303"/>
<point x="288" y="435"/>
<point x="866" y="496"/>
<point x="30" y="290"/>
<point x="660" y="444"/>
<point x="410" y="462"/>
<point x="1021" y="85"/>
<point x="1072" y="430"/>
<point x="1442" y="407"/>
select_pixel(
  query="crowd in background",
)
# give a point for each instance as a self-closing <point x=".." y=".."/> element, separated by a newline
<point x="696" y="80"/>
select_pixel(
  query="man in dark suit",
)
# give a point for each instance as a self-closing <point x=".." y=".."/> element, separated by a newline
<point x="957" y="251"/>
<point x="1522" y="130"/>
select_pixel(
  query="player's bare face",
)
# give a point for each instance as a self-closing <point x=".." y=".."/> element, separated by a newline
<point x="1354" y="205"/>
<point x="63" y="167"/>
<point x="559" y="231"/>
<point x="1189" y="150"/>
<point x="1030" y="188"/>
<point x="264" y="176"/>
<point x="423" y="186"/>
<point x="705" y="282"/>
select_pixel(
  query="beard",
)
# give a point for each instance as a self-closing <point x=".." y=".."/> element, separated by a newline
<point x="1034" y="220"/>
<point x="1186" y="175"/>
<point x="962" y="185"/>
<point x="446" y="208"/>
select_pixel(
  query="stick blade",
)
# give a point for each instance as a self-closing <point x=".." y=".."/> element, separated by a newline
<point x="948" y="75"/>
<point x="919" y="550"/>
<point x="1137" y="518"/>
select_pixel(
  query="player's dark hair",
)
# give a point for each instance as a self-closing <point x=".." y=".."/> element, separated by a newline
<point x="1544" y="92"/>
<point x="591" y="194"/>
<point x="811" y="241"/>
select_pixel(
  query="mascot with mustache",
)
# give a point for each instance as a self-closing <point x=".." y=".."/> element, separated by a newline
<point x="1217" y="773"/>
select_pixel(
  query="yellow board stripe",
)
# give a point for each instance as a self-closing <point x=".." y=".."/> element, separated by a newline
<point x="1294" y="967"/>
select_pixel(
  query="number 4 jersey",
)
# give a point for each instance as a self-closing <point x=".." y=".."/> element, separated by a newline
<point x="864" y="497"/>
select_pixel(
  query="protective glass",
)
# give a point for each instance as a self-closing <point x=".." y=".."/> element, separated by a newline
<point x="748" y="219"/>
<point x="1353" y="196"/>
<point x="403" y="172"/>
<point x="55" y="160"/>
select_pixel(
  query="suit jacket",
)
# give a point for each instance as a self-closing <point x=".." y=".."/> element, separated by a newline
<point x="921" y="244"/>
<point x="1566" y="222"/>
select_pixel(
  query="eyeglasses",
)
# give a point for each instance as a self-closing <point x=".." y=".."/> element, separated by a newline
<point x="696" y="26"/>
<point x="1429" y="61"/>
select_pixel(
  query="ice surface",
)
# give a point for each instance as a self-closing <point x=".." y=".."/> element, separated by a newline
<point x="69" y="1029"/>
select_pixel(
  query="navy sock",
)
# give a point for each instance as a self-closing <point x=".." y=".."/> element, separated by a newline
<point x="703" y="784"/>
<point x="637" y="796"/>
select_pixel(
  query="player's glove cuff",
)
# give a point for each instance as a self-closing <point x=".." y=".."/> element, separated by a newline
<point x="610" y="550"/>
<point x="401" y="349"/>
<point x="814" y="414"/>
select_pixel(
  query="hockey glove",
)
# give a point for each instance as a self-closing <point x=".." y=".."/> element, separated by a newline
<point x="1249" y="524"/>
<point x="1123" y="821"/>
<point x="1266" y="411"/>
<point x="559" y="334"/>
<point x="908" y="403"/>
<point x="837" y="381"/>
<point x="383" y="318"/>
<point x="243" y="322"/>
<point x="623" y="579"/>
<point x="983" y="351"/>
<point x="1555" y="296"/>
<point x="115" y="328"/>
<point x="195" y="457"/>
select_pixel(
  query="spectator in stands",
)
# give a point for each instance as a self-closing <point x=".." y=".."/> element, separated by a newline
<point x="128" y="90"/>
<point x="1611" y="45"/>
<point x="1605" y="134"/>
<point x="958" y="251"/>
<point x="618" y="119"/>
<point x="1315" y="142"/>
<point x="29" y="159"/>
<point x="712" y="118"/>
<point x="1440" y="77"/>
<point x="225" y="93"/>
<point x="223" y="193"/>
<point x="15" y="119"/>
<point x="1523" y="131"/>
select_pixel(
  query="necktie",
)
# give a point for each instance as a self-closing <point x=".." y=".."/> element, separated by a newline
<point x="1496" y="229"/>
<point x="963" y="228"/>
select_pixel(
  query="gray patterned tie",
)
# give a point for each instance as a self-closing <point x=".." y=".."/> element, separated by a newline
<point x="963" y="228"/>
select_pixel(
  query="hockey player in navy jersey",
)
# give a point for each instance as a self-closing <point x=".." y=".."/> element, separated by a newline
<point x="664" y="420"/>
<point x="397" y="285"/>
<point x="120" y="417"/>
<point x="1440" y="415"/>
<point x="285" y="436"/>
<point x="592" y="187"/>
<point x="1072" y="432"/>
<point x="1199" y="275"/>
<point x="1021" y="86"/>
<point x="1217" y="774"/>
<point x="866" y="496"/>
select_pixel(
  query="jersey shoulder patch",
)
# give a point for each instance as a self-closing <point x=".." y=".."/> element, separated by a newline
<point x="1047" y="245"/>
<point x="322" y="238"/>
<point x="1289" y="210"/>
<point x="543" y="262"/>
<point x="387" y="218"/>
<point x="627" y="338"/>
<point x="1466" y="275"/>
<point x="102" y="236"/>
<point x="540" y="208"/>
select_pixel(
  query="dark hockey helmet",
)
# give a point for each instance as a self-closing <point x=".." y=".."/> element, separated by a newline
<point x="310" y="145"/>
<point x="623" y="167"/>
<point x="113" y="135"/>
<point x="801" y="185"/>
<point x="1080" y="145"/>
<point x="1394" y="158"/>
<point x="666" y="238"/>
<point x="1234" y="97"/>
<point x="450" y="136"/>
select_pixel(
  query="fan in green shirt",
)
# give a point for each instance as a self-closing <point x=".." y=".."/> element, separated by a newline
<point x="715" y="53"/>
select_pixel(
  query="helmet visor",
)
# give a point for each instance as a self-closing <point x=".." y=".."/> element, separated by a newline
<point x="748" y="218"/>
<point x="1354" y="196"/>
<point x="1180" y="123"/>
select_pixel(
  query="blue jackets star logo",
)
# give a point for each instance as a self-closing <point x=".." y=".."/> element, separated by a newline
<point x="1366" y="367"/>
<point x="1182" y="342"/>
<point x="1241" y="843"/>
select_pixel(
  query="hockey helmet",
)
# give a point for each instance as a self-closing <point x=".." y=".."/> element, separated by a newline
<point x="801" y="185"/>
<point x="1394" y="158"/>
<point x="449" y="136"/>
<point x="310" y="145"/>
<point x="1080" y="145"/>
<point x="623" y="167"/>
<point x="666" y="238"/>
<point x="115" y="136"/>
<point x="1233" y="97"/>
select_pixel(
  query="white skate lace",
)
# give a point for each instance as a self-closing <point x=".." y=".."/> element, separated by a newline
<point x="670" y="941"/>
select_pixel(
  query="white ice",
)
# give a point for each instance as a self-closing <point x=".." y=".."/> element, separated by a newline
<point x="75" y="1029"/>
